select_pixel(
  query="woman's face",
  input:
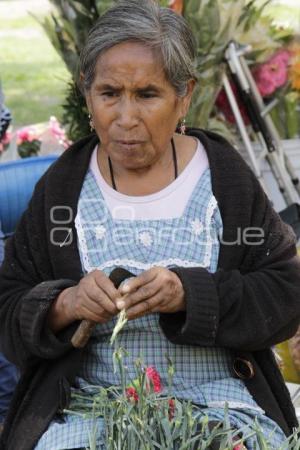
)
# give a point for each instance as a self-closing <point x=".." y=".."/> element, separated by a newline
<point x="135" y="109"/>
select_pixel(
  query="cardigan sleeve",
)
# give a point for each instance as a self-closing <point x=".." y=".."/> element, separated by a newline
<point x="27" y="289"/>
<point x="248" y="308"/>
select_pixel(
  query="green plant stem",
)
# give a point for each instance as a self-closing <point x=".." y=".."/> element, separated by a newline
<point x="292" y="116"/>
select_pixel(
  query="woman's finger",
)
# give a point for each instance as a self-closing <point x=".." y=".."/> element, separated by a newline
<point x="91" y="292"/>
<point x="104" y="302"/>
<point x="138" y="281"/>
<point x="98" y="315"/>
<point x="100" y="310"/>
<point x="144" y="307"/>
<point x="143" y="293"/>
<point x="105" y="284"/>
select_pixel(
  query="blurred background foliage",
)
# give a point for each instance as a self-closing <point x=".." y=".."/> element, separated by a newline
<point x="215" y="24"/>
<point x="67" y="28"/>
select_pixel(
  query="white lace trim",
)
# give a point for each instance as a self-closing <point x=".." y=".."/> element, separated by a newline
<point x="145" y="266"/>
<point x="212" y="205"/>
<point x="82" y="244"/>
<point x="125" y="261"/>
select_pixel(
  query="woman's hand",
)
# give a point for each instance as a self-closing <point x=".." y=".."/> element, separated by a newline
<point x="94" y="298"/>
<point x="155" y="290"/>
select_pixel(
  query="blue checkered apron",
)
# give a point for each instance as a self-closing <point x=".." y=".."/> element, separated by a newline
<point x="202" y="374"/>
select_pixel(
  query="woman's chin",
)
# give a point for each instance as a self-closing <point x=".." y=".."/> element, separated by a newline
<point x="135" y="165"/>
<point x="130" y="157"/>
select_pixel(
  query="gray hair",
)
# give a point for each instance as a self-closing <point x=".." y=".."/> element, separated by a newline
<point x="147" y="22"/>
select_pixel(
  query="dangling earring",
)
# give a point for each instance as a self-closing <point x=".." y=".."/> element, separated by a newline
<point x="91" y="123"/>
<point x="182" y="126"/>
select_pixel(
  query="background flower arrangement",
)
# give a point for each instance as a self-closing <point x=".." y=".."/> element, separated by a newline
<point x="278" y="80"/>
<point x="31" y="140"/>
<point x="28" y="142"/>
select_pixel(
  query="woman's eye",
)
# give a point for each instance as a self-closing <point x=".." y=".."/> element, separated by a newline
<point x="147" y="94"/>
<point x="109" y="94"/>
<point x="115" y="94"/>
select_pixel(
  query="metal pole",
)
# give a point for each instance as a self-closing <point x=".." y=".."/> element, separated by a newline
<point x="262" y="124"/>
<point x="242" y="128"/>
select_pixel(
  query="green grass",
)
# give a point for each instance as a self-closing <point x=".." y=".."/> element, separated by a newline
<point x="33" y="75"/>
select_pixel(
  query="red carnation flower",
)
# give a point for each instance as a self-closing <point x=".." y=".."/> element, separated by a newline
<point x="132" y="395"/>
<point x="154" y="377"/>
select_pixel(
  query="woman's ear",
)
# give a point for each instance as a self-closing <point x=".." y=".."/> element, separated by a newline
<point x="86" y="94"/>
<point x="88" y="103"/>
<point x="186" y="100"/>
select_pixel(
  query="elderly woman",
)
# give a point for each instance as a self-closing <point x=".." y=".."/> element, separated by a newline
<point x="216" y="276"/>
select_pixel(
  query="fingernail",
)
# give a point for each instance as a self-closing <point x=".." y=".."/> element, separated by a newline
<point x="125" y="288"/>
<point x="120" y="304"/>
<point x="125" y="285"/>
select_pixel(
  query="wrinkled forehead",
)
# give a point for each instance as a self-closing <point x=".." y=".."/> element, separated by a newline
<point x="132" y="62"/>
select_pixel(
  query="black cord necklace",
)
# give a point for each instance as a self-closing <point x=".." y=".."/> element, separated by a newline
<point x="112" y="177"/>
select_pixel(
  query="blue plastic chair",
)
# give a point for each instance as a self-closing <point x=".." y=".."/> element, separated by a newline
<point x="17" y="181"/>
<point x="8" y="372"/>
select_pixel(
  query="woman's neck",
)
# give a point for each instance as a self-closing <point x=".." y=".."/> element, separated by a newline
<point x="152" y="178"/>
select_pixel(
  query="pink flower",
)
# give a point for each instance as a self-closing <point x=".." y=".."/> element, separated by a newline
<point x="55" y="128"/>
<point x="22" y="135"/>
<point x="264" y="80"/>
<point x="58" y="132"/>
<point x="26" y="134"/>
<point x="5" y="141"/>
<point x="154" y="377"/>
<point x="6" y="138"/>
<point x="132" y="395"/>
<point x="273" y="74"/>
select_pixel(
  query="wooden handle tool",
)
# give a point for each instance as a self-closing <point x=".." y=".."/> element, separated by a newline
<point x="83" y="333"/>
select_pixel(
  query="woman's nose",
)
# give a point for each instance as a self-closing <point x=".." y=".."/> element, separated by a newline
<point x="128" y="114"/>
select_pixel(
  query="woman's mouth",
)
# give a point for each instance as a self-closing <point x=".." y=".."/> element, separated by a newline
<point x="129" y="144"/>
